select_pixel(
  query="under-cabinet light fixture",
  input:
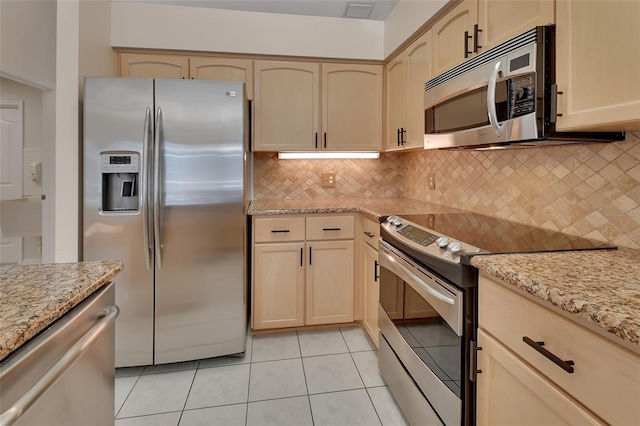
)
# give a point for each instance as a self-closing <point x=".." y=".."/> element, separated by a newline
<point x="326" y="155"/>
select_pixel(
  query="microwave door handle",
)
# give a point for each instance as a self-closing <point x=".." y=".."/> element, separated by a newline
<point x="491" y="100"/>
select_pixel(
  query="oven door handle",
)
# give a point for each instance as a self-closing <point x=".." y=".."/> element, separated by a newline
<point x="419" y="281"/>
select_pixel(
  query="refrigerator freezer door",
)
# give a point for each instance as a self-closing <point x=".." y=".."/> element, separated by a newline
<point x="200" y="285"/>
<point x="114" y="120"/>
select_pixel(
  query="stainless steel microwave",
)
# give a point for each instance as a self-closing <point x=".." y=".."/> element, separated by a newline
<point x="504" y="96"/>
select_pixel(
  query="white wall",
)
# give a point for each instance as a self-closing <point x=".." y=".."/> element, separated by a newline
<point x="28" y="42"/>
<point x="405" y="19"/>
<point x="66" y="133"/>
<point x="158" y="26"/>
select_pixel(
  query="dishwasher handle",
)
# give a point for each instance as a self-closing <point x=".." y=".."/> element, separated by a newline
<point x="105" y="319"/>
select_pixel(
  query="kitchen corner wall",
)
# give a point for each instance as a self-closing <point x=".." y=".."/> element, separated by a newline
<point x="586" y="190"/>
<point x="276" y="179"/>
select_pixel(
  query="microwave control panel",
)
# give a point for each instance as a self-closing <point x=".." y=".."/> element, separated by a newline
<point x="522" y="94"/>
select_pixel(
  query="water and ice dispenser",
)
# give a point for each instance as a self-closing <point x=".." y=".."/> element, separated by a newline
<point x="120" y="182"/>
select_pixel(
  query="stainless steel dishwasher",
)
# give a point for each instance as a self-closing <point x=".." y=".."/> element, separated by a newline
<point x="64" y="375"/>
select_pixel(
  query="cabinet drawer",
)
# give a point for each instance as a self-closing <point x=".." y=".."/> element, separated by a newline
<point x="278" y="229"/>
<point x="371" y="231"/>
<point x="330" y="227"/>
<point x="606" y="376"/>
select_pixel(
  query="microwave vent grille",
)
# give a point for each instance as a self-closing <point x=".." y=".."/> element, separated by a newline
<point x="492" y="54"/>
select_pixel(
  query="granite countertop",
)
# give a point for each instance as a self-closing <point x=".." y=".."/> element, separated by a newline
<point x="34" y="296"/>
<point x="599" y="289"/>
<point x="370" y="207"/>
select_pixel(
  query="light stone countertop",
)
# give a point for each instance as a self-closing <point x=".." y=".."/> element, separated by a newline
<point x="599" y="289"/>
<point x="373" y="208"/>
<point x="32" y="297"/>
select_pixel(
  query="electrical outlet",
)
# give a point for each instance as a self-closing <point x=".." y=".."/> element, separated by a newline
<point x="328" y="180"/>
<point x="432" y="180"/>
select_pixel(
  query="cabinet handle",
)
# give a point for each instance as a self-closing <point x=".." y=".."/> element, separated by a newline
<point x="310" y="251"/>
<point x="538" y="346"/>
<point x="398" y="137"/>
<point x="476" y="46"/>
<point x="331" y="229"/>
<point x="325" y="139"/>
<point x="316" y="140"/>
<point x="467" y="52"/>
<point x="402" y="132"/>
<point x="375" y="271"/>
<point x="279" y="230"/>
<point x="369" y="234"/>
<point x="300" y="256"/>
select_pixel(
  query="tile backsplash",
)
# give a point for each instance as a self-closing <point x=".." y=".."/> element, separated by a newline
<point x="276" y="179"/>
<point x="586" y="190"/>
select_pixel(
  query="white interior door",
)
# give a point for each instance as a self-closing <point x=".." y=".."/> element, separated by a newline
<point x="11" y="145"/>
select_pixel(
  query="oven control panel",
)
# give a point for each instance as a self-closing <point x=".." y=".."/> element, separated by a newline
<point x="418" y="235"/>
<point x="422" y="239"/>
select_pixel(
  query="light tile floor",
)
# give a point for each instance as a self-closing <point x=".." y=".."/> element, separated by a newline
<point x="322" y="377"/>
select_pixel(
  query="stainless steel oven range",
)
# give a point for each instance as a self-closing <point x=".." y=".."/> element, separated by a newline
<point x="428" y="305"/>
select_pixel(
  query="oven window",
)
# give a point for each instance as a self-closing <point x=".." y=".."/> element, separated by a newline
<point x="428" y="335"/>
<point x="466" y="111"/>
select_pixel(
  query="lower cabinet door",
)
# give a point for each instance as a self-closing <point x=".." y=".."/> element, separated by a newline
<point x="510" y="392"/>
<point x="371" y="292"/>
<point x="278" y="285"/>
<point x="329" y="282"/>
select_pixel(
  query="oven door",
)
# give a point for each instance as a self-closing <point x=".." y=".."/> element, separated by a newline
<point x="421" y="321"/>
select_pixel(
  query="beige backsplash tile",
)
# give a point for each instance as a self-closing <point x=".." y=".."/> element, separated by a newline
<point x="276" y="179"/>
<point x="586" y="190"/>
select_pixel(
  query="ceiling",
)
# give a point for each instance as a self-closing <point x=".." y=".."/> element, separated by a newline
<point x="361" y="9"/>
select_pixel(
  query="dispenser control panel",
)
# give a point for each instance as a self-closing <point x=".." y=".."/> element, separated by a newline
<point x="120" y="163"/>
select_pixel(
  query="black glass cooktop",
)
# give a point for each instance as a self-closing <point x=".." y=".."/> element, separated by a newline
<point x="496" y="235"/>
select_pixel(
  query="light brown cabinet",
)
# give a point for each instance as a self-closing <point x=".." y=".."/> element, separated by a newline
<point x="302" y="106"/>
<point x="351" y="107"/>
<point x="148" y="65"/>
<point x="449" y="41"/>
<point x="594" y="382"/>
<point x="406" y="76"/>
<point x="598" y="57"/>
<point x="474" y="26"/>
<point x="370" y="277"/>
<point x="501" y="20"/>
<point x="329" y="286"/>
<point x="152" y="65"/>
<point x="303" y="270"/>
<point x="512" y="393"/>
<point x="278" y="285"/>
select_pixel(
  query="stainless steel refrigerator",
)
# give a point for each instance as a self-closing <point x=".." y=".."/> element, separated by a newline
<point x="164" y="192"/>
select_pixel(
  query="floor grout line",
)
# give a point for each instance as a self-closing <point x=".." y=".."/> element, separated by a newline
<point x="198" y="367"/>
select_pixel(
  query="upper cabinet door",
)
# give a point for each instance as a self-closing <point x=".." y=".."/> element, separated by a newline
<point x="598" y="58"/>
<point x="501" y="20"/>
<point x="396" y="102"/>
<point x="152" y="66"/>
<point x="448" y="36"/>
<point x="224" y="69"/>
<point x="286" y="104"/>
<point x="351" y="107"/>
<point x="418" y="73"/>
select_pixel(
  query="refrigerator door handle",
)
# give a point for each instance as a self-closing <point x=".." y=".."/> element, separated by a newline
<point x="156" y="189"/>
<point x="144" y="188"/>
